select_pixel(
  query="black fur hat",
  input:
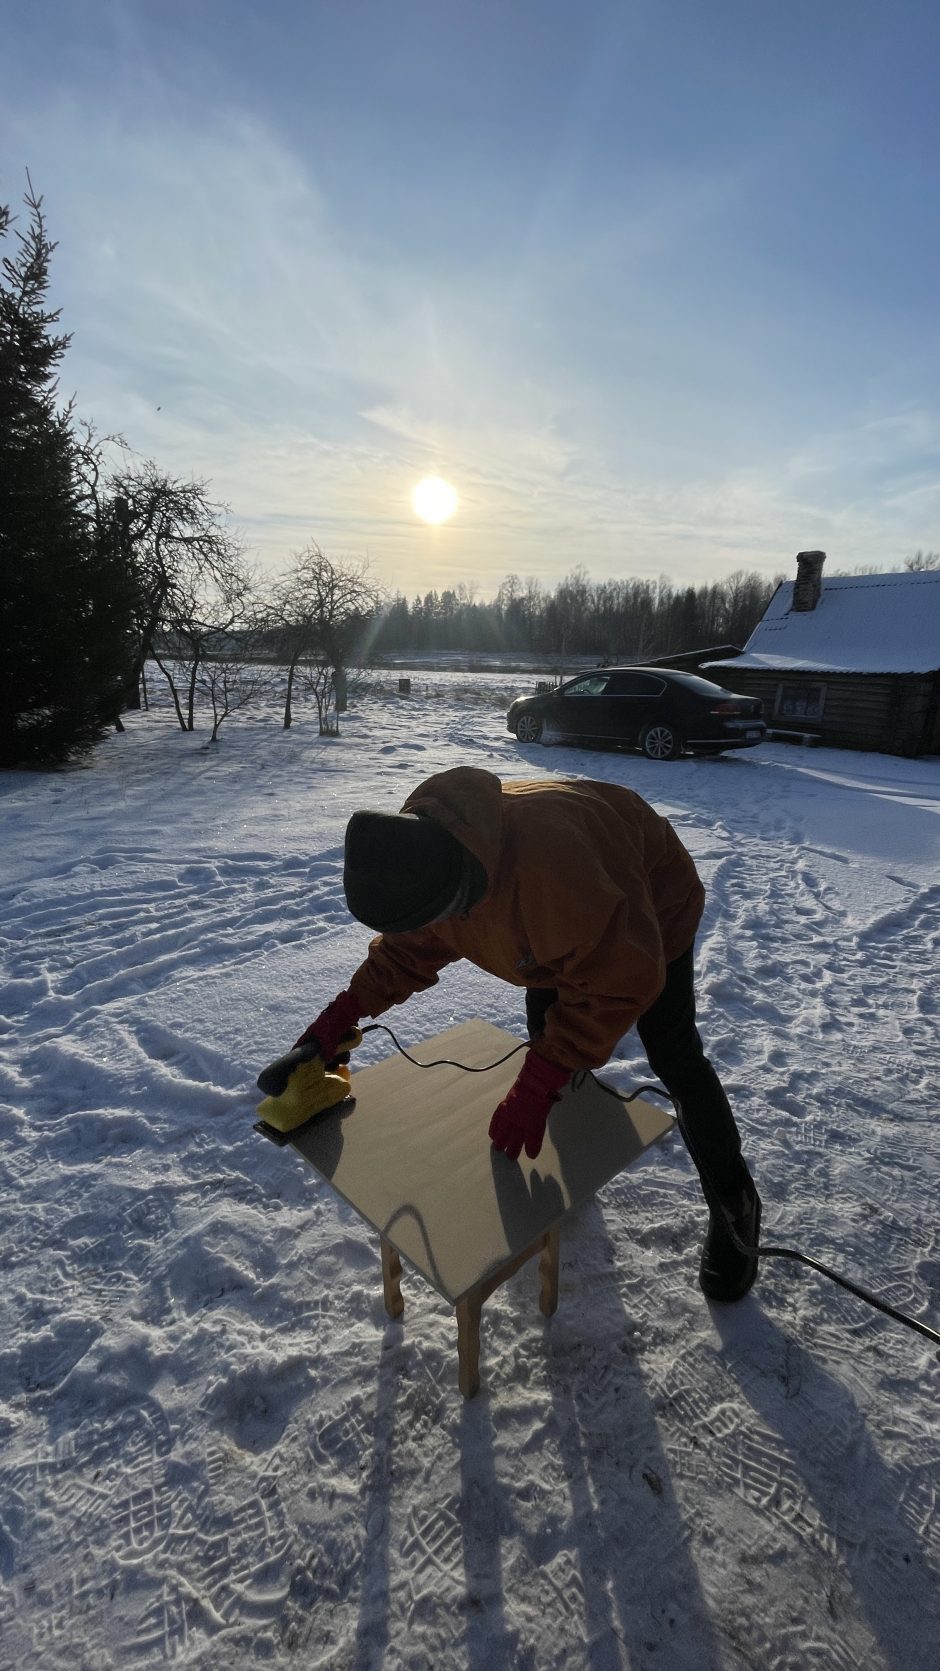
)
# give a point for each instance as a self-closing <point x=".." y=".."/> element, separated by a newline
<point x="402" y="871"/>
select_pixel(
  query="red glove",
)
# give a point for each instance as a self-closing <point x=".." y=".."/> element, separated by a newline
<point x="330" y="1026"/>
<point x="522" y="1114"/>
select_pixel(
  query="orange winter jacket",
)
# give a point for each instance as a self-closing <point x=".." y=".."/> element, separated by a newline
<point x="589" y="891"/>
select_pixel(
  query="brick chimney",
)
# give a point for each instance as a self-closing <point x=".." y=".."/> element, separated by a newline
<point x="808" y="584"/>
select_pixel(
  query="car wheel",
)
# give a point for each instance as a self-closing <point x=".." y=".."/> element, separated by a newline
<point x="660" y="742"/>
<point x="528" y="728"/>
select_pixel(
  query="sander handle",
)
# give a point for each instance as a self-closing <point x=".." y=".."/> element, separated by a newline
<point x="272" y="1080"/>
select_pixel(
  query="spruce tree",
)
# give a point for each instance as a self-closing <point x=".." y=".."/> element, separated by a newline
<point x="64" y="595"/>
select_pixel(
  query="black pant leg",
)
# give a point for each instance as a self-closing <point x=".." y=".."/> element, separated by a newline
<point x="538" y="1001"/>
<point x="676" y="1055"/>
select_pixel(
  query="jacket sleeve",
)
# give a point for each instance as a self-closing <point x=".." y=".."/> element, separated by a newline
<point x="602" y="942"/>
<point x="396" y="966"/>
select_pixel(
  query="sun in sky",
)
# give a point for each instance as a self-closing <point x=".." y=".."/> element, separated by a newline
<point x="434" y="500"/>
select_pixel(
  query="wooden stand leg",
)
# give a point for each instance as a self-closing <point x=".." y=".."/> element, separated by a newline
<point x="548" y="1273"/>
<point x="391" y="1280"/>
<point x="469" y="1310"/>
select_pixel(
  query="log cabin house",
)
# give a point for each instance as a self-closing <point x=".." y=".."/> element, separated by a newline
<point x="851" y="660"/>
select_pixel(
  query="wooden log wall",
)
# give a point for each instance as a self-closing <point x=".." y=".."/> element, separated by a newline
<point x="892" y="713"/>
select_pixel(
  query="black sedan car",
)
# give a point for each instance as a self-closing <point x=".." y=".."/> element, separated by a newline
<point x="657" y="709"/>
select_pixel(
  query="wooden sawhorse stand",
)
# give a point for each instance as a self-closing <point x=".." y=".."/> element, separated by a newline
<point x="469" y="1308"/>
<point x="412" y="1157"/>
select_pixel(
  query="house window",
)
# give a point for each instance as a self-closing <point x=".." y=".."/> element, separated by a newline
<point x="800" y="702"/>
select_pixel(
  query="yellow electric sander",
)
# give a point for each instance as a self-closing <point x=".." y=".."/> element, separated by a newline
<point x="300" y="1084"/>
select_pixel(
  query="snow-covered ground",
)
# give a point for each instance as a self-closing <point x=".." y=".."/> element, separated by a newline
<point x="216" y="1450"/>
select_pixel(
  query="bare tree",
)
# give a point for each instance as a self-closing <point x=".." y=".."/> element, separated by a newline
<point x="229" y="676"/>
<point x="317" y="679"/>
<point x="321" y="612"/>
<point x="211" y="615"/>
<point x="922" y="560"/>
<point x="570" y="609"/>
<point x="174" y="541"/>
<point x="510" y="591"/>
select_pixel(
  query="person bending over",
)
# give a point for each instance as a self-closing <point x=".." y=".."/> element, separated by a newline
<point x="581" y="893"/>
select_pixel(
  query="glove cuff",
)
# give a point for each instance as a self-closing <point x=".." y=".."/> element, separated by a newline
<point x="345" y="1008"/>
<point x="539" y="1074"/>
<point x="339" y="1016"/>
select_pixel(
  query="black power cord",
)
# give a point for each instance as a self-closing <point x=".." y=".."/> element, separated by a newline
<point x="761" y="1250"/>
<point x="442" y="1061"/>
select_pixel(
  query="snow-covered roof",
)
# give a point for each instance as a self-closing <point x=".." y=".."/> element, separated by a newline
<point x="863" y="623"/>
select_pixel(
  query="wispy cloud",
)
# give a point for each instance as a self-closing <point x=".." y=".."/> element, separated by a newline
<point x="591" y="373"/>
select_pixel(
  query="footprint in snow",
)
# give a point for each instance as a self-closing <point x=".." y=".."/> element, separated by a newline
<point x="253" y="1403"/>
<point x="44" y="1360"/>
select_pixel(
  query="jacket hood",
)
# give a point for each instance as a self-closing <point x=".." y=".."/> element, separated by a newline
<point x="468" y="803"/>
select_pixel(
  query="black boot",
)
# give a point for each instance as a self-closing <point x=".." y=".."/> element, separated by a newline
<point x="726" y="1273"/>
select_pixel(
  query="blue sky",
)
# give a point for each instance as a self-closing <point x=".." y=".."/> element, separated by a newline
<point x="652" y="284"/>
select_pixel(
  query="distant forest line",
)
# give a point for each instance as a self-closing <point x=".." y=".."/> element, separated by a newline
<point x="629" y="619"/>
<point x="626" y="619"/>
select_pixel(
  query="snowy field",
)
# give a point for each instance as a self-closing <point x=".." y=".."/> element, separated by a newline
<point x="215" y="1449"/>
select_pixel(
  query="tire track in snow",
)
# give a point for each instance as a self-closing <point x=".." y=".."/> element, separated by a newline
<point x="792" y="991"/>
<point x="788" y="941"/>
<point x="94" y="946"/>
<point x="104" y="1086"/>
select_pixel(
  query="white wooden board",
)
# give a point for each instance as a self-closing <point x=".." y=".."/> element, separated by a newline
<point x="413" y="1156"/>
